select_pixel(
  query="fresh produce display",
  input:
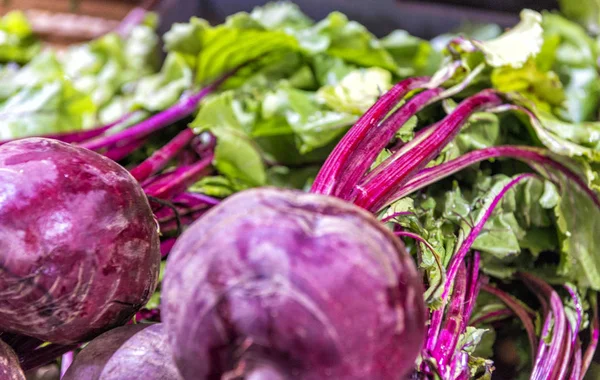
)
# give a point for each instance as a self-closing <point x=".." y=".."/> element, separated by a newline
<point x="329" y="204"/>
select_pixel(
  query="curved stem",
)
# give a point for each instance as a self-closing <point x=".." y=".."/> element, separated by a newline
<point x="375" y="193"/>
<point x="160" y="158"/>
<point x="328" y="177"/>
<point x="519" y="311"/>
<point x="528" y="155"/>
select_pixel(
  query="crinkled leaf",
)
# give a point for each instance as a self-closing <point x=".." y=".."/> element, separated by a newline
<point x="51" y="108"/>
<point x="352" y="42"/>
<point x="215" y="51"/>
<point x="357" y="91"/>
<point x="281" y="15"/>
<point x="514" y="47"/>
<point x="413" y="55"/>
<point x="313" y="125"/>
<point x="237" y="157"/>
<point x="542" y="87"/>
<point x="161" y="90"/>
<point x="214" y="186"/>
<point x="566" y="139"/>
<point x="575" y="61"/>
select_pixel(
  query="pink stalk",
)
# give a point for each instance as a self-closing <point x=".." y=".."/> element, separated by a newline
<point x="519" y="311"/>
<point x="65" y="362"/>
<point x="181" y="181"/>
<point x="529" y="155"/>
<point x="160" y="158"/>
<point x="594" y="335"/>
<point x="332" y="170"/>
<point x="375" y="193"/>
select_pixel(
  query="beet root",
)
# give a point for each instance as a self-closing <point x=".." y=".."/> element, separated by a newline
<point x="79" y="245"/>
<point x="282" y="284"/>
<point x="128" y="352"/>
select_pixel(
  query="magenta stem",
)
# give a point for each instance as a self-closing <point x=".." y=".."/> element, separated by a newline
<point x="166" y="246"/>
<point x="375" y="193"/>
<point x="375" y="140"/>
<point x="448" y="337"/>
<point x="44" y="355"/>
<point x="491" y="316"/>
<point x="65" y="362"/>
<point x="160" y="158"/>
<point x="172" y="186"/>
<point x="120" y="152"/>
<point x="529" y="155"/>
<point x="458" y="258"/>
<point x="519" y="311"/>
<point x="551" y="364"/>
<point x="594" y="335"/>
<point x="473" y="290"/>
<point x="333" y="168"/>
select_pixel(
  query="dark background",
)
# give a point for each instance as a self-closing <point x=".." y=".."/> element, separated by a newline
<point x="422" y="18"/>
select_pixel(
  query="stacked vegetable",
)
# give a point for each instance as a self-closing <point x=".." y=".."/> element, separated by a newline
<point x="482" y="164"/>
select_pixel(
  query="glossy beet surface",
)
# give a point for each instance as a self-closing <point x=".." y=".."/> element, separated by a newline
<point x="298" y="285"/>
<point x="129" y="352"/>
<point x="9" y="364"/>
<point x="79" y="247"/>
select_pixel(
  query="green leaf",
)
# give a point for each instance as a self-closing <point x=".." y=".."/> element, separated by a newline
<point x="544" y="88"/>
<point x="571" y="140"/>
<point x="17" y="41"/>
<point x="292" y="178"/>
<point x="585" y="12"/>
<point x="413" y="55"/>
<point x="51" y="108"/>
<point x="215" y="51"/>
<point x="575" y="62"/>
<point x="214" y="186"/>
<point x="500" y="236"/>
<point x="281" y="15"/>
<point x="514" y="47"/>
<point x="353" y="43"/>
<point x="237" y="156"/>
<point x="313" y="125"/>
<point x="161" y="90"/>
<point x="105" y="67"/>
<point x="578" y="222"/>
<point x="357" y="91"/>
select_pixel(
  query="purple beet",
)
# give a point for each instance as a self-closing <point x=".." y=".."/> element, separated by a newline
<point x="79" y="245"/>
<point x="280" y="284"/>
<point x="129" y="352"/>
<point x="9" y="364"/>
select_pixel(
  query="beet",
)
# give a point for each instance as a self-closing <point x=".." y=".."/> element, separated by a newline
<point x="79" y="245"/>
<point x="282" y="284"/>
<point x="129" y="352"/>
<point x="9" y="364"/>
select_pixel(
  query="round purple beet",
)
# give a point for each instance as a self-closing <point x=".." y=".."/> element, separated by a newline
<point x="79" y="245"/>
<point x="10" y="369"/>
<point x="292" y="285"/>
<point x="129" y="352"/>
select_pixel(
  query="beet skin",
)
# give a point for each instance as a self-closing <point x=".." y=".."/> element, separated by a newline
<point x="79" y="245"/>
<point x="10" y="369"/>
<point x="281" y="284"/>
<point x="128" y="352"/>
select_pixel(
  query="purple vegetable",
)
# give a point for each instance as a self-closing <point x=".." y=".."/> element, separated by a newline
<point x="9" y="364"/>
<point x="294" y="285"/>
<point x="129" y="352"/>
<point x="79" y="247"/>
